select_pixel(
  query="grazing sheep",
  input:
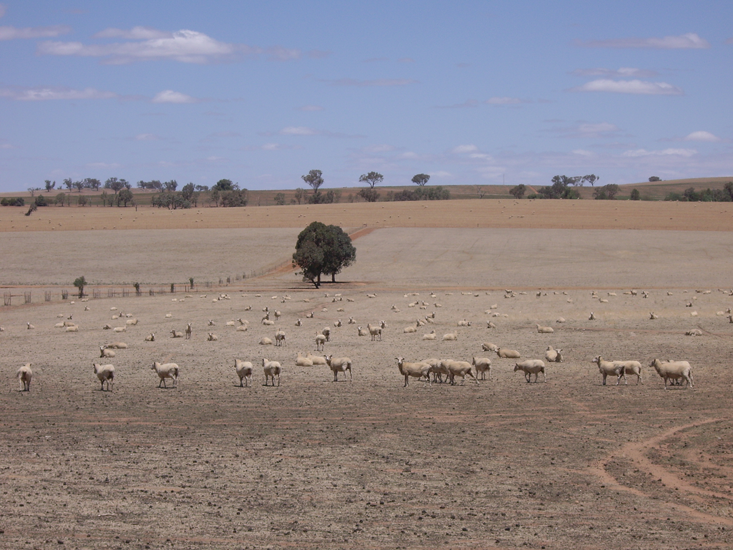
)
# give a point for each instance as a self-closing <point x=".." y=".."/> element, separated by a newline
<point x="104" y="352"/>
<point x="271" y="369"/>
<point x="24" y="375"/>
<point x="176" y="334"/>
<point x="506" y="353"/>
<point x="375" y="332"/>
<point x="105" y="373"/>
<point x="429" y="336"/>
<point x="553" y="355"/>
<point x="265" y="341"/>
<point x="607" y="368"/>
<point x="150" y="337"/>
<point x="545" y="330"/>
<point x="482" y="365"/>
<point x="320" y="342"/>
<point x="414" y="370"/>
<point x="212" y="337"/>
<point x="327" y="333"/>
<point x="166" y="370"/>
<point x="673" y="370"/>
<point x="244" y="371"/>
<point x="303" y="361"/>
<point x="339" y="364"/>
<point x="530" y="367"/>
<point x="488" y="346"/>
<point x="451" y="336"/>
<point x="459" y="368"/>
<point x="279" y="338"/>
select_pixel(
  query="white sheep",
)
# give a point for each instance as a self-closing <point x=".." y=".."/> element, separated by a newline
<point x="506" y="353"/>
<point x="73" y="328"/>
<point x="298" y="323"/>
<point x="116" y="345"/>
<point x="24" y="375"/>
<point x="327" y="333"/>
<point x="414" y="370"/>
<point x="29" y="326"/>
<point x="166" y="370"/>
<point x="653" y="315"/>
<point x="488" y="346"/>
<point x="105" y="373"/>
<point x="592" y="316"/>
<point x="303" y="361"/>
<point x="279" y="338"/>
<point x="553" y="355"/>
<point x="482" y="366"/>
<point x="176" y="334"/>
<point x="459" y="368"/>
<point x="320" y="342"/>
<point x="362" y="332"/>
<point x="244" y="371"/>
<point x="339" y="364"/>
<point x="429" y="336"/>
<point x="316" y="359"/>
<point x="352" y="321"/>
<point x="212" y="337"/>
<point x="104" y="352"/>
<point x="271" y="369"/>
<point x="694" y="332"/>
<point x="337" y="323"/>
<point x="464" y="323"/>
<point x="530" y="367"/>
<point x="673" y="370"/>
<point x="451" y="336"/>
<point x="265" y="341"/>
<point x="119" y="329"/>
<point x="409" y="329"/>
<point x="131" y="322"/>
<point x="490" y="324"/>
<point x="375" y="332"/>
<point x="267" y="322"/>
<point x="545" y="330"/>
<point x="607" y="368"/>
<point x="150" y="337"/>
<point x="631" y="367"/>
<point x="437" y="369"/>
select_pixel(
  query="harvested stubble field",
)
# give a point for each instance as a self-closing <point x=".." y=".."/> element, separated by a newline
<point x="314" y="464"/>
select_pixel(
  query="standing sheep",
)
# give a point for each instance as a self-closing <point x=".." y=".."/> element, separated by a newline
<point x="414" y="370"/>
<point x="320" y="342"/>
<point x="271" y="369"/>
<point x="530" y="367"/>
<point x="673" y="370"/>
<point x="166" y="370"/>
<point x="279" y="338"/>
<point x="244" y="371"/>
<point x="375" y="332"/>
<point x="339" y="364"/>
<point x="24" y="375"/>
<point x="105" y="373"/>
<point x="607" y="368"/>
<point x="482" y="365"/>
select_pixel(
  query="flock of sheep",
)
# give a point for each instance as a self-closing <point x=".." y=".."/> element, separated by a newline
<point x="430" y="370"/>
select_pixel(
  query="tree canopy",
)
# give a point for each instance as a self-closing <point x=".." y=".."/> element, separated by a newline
<point x="323" y="250"/>
<point x="420" y="179"/>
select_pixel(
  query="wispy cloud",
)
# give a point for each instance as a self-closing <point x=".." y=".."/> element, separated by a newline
<point x="146" y="137"/>
<point x="50" y="93"/>
<point x="629" y="87"/>
<point x="376" y="82"/>
<point x="701" y="135"/>
<point x="135" y="33"/>
<point x="663" y="153"/>
<point x="686" y="41"/>
<point x="298" y="131"/>
<point x="587" y="130"/>
<point x="464" y="149"/>
<point x="12" y="33"/>
<point x="623" y="72"/>
<point x="169" y="96"/>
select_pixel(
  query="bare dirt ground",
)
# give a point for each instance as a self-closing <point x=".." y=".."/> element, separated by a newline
<point x="566" y="463"/>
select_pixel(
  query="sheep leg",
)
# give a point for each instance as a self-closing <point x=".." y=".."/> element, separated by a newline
<point x="351" y="375"/>
<point x="335" y="376"/>
<point x="604" y="379"/>
<point x="406" y="378"/>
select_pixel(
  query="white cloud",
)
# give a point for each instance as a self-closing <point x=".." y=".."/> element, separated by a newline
<point x="464" y="149"/>
<point x="689" y="40"/>
<point x="663" y="153"/>
<point x="12" y="33"/>
<point x="103" y="165"/>
<point x="50" y="93"/>
<point x="367" y="83"/>
<point x="623" y="72"/>
<point x="146" y="137"/>
<point x="503" y="101"/>
<point x="408" y="155"/>
<point x="169" y="96"/>
<point x="298" y="131"/>
<point x="702" y="136"/>
<point x="135" y="33"/>
<point x="583" y="153"/>
<point x="2" y="9"/>
<point x="441" y="174"/>
<point x="629" y="87"/>
<point x="311" y="108"/>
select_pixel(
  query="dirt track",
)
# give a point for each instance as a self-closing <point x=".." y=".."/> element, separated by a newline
<point x="564" y="464"/>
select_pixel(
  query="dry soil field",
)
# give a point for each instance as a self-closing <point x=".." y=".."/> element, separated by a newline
<point x="566" y="463"/>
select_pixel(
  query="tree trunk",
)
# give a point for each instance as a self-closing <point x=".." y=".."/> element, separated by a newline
<point x="333" y="277"/>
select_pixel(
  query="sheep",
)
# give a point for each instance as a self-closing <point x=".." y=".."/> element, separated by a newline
<point x="438" y="369"/>
<point x="414" y="370"/>
<point x="242" y="328"/>
<point x="352" y="321"/>
<point x="607" y="368"/>
<point x="337" y="323"/>
<point x="279" y="338"/>
<point x="212" y="337"/>
<point x="166" y="370"/>
<point x="29" y="326"/>
<point x="545" y="330"/>
<point x="244" y="371"/>
<point x="506" y="353"/>
<point x="316" y="359"/>
<point x="694" y="332"/>
<point x="309" y="315"/>
<point x="277" y="315"/>
<point x="320" y="342"/>
<point x="451" y="336"/>
<point x="131" y="322"/>
<point x="119" y="329"/>
<point x="409" y="329"/>
<point x="459" y="368"/>
<point x="653" y="315"/>
<point x="553" y="355"/>
<point x="298" y="323"/>
<point x="267" y="322"/>
<point x="231" y="323"/>
<point x="105" y="373"/>
<point x="104" y="352"/>
<point x="464" y="323"/>
<point x="73" y="328"/>
<point x="429" y="336"/>
<point x="490" y="324"/>
<point x="303" y="361"/>
<point x="482" y="365"/>
<point x="560" y="320"/>
<point x="211" y="323"/>
<point x="673" y="370"/>
<point x="327" y="333"/>
<point x="176" y="334"/>
<point x="361" y="332"/>
<point x="24" y="375"/>
<point x="265" y="341"/>
<point x="271" y="369"/>
<point x="631" y="367"/>
<point x="62" y="324"/>
<point x="530" y="367"/>
<point x="592" y="316"/>
<point x="375" y="332"/>
<point x="488" y="346"/>
<point x="382" y="324"/>
<point x="150" y="337"/>
<point x="339" y="364"/>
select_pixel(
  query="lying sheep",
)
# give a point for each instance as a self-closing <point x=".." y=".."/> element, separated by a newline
<point x="482" y="366"/>
<point x="72" y="328"/>
<point x="450" y="337"/>
<point x="607" y="368"/>
<point x="265" y="341"/>
<point x="553" y="355"/>
<point x="150" y="337"/>
<point x="24" y="375"/>
<point x="271" y="369"/>
<point x="316" y="359"/>
<point x="244" y="371"/>
<point x="166" y="370"/>
<point x="298" y="323"/>
<point x="414" y="370"/>
<point x="464" y="323"/>
<point x="104" y="352"/>
<point x="119" y="329"/>
<point x="176" y="334"/>
<point x="105" y="373"/>
<point x="362" y="332"/>
<point x="530" y="367"/>
<point x="429" y="336"/>
<point x="339" y="364"/>
<point x="488" y="346"/>
<point x="694" y="332"/>
<point x="131" y="322"/>
<point x="410" y="329"/>
<point x="303" y="361"/>
<point x="673" y="370"/>
<point x="506" y="353"/>
<point x="545" y="330"/>
<point x="212" y="337"/>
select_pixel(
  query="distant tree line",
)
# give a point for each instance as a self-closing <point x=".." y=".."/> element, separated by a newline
<point x="707" y="195"/>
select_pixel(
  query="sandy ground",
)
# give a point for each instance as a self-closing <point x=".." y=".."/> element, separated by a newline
<point x="566" y="463"/>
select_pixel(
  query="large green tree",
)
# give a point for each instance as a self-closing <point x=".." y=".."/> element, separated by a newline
<point x="420" y="179"/>
<point x="323" y="250"/>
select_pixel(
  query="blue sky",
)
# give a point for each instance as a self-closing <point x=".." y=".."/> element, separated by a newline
<point x="261" y="92"/>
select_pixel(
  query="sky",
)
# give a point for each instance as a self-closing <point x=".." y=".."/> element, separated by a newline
<point x="261" y="92"/>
